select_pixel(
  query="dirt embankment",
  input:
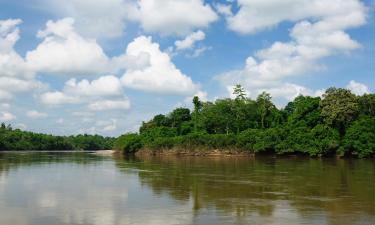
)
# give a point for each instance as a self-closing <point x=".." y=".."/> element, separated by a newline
<point x="194" y="152"/>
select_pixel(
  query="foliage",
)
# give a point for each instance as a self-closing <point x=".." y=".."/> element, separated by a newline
<point x="15" y="139"/>
<point x="360" y="137"/>
<point x="128" y="143"/>
<point x="339" y="108"/>
<point x="307" y="125"/>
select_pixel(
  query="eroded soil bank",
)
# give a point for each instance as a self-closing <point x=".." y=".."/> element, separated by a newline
<point x="194" y="152"/>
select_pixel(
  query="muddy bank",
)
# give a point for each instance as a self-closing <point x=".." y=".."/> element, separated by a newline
<point x="104" y="152"/>
<point x="194" y="152"/>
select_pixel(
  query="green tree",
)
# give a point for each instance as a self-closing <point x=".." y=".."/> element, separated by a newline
<point x="178" y="116"/>
<point x="367" y="104"/>
<point x="304" y="110"/>
<point x="339" y="108"/>
<point x="129" y="143"/>
<point x="197" y="107"/>
<point x="360" y="138"/>
<point x="264" y="106"/>
<point x="239" y="92"/>
<point x="239" y="104"/>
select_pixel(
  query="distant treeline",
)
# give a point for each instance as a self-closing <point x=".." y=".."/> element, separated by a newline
<point x="339" y="123"/>
<point x="15" y="139"/>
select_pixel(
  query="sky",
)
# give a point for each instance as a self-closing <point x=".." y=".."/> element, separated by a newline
<point x="104" y="66"/>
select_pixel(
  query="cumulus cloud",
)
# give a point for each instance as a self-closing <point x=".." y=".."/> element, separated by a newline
<point x="15" y="75"/>
<point x="64" y="51"/>
<point x="321" y="33"/>
<point x="98" y="19"/>
<point x="34" y="114"/>
<point x="172" y="17"/>
<point x="190" y="40"/>
<point x="255" y="16"/>
<point x="6" y="116"/>
<point x="202" y="95"/>
<point x="102" y="105"/>
<point x="358" y="88"/>
<point x="160" y="75"/>
<point x="224" y="9"/>
<point x="103" y="86"/>
<point x="80" y="91"/>
<point x="58" y="98"/>
<point x="11" y="64"/>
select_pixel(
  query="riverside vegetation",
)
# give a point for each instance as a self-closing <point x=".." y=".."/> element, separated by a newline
<point x="340" y="123"/>
<point x="17" y="140"/>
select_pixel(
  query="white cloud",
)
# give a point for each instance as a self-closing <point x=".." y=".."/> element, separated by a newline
<point x="33" y="114"/>
<point x="310" y="41"/>
<point x="111" y="127"/>
<point x="358" y="88"/>
<point x="190" y="40"/>
<point x="11" y="64"/>
<point x="4" y="95"/>
<point x="198" y="51"/>
<point x="254" y="16"/>
<point x="99" y="18"/>
<point x="64" y="51"/>
<point x="20" y="126"/>
<point x="60" y="121"/>
<point x="172" y="16"/>
<point x="224" y="9"/>
<point x="6" y="116"/>
<point x="82" y="91"/>
<point x="14" y="85"/>
<point x="103" y="105"/>
<point x="15" y="75"/>
<point x="202" y="95"/>
<point x="160" y="76"/>
<point x="58" y="98"/>
<point x="103" y="86"/>
<point x="4" y="106"/>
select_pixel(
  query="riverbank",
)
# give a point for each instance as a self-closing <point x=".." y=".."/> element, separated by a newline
<point x="104" y="152"/>
<point x="193" y="152"/>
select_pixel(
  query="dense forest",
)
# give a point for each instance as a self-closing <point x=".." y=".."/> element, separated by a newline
<point x="340" y="123"/>
<point x="15" y="139"/>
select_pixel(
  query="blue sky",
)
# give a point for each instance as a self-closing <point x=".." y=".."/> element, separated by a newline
<point x="78" y="66"/>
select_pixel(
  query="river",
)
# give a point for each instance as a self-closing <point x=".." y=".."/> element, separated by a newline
<point x="83" y="188"/>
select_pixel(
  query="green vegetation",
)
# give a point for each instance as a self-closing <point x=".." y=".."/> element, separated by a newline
<point x="339" y="123"/>
<point x="15" y="139"/>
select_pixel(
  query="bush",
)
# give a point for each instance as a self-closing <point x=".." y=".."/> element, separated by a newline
<point x="360" y="138"/>
<point x="129" y="143"/>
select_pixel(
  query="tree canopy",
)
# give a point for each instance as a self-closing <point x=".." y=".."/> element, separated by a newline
<point x="339" y="123"/>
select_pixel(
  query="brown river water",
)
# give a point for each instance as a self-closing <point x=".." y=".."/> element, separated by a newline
<point x="83" y="188"/>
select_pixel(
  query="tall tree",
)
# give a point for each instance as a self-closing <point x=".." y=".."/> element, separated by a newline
<point x="264" y="106"/>
<point x="197" y="107"/>
<point x="367" y="104"/>
<point x="339" y="108"/>
<point x="239" y="104"/>
<point x="239" y="92"/>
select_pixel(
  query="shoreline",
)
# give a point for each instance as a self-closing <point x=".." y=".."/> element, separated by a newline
<point x="194" y="152"/>
<point x="228" y="153"/>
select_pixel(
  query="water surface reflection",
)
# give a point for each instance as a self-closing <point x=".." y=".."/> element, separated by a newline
<point x="81" y="188"/>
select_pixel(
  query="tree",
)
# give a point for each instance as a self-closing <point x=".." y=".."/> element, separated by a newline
<point x="264" y="106"/>
<point x="239" y="92"/>
<point x="304" y="109"/>
<point x="217" y="118"/>
<point x="367" y="104"/>
<point x="129" y="143"/>
<point x="339" y="108"/>
<point x="197" y="107"/>
<point x="239" y="104"/>
<point x="360" y="138"/>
